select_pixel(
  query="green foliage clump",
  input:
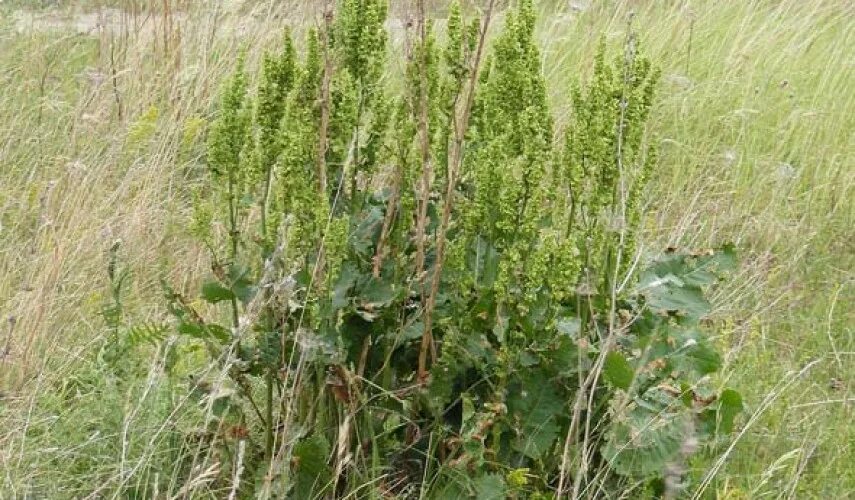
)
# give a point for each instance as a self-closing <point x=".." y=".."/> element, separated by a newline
<point x="531" y="360"/>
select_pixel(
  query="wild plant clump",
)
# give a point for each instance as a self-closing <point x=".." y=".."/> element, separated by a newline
<point x="423" y="286"/>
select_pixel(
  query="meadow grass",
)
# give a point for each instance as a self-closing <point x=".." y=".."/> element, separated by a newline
<point x="100" y="133"/>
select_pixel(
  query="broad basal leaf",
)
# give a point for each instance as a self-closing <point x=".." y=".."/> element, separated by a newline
<point x="378" y="293"/>
<point x="697" y="355"/>
<point x="534" y="403"/>
<point x="673" y="283"/>
<point x="534" y="442"/>
<point x="311" y="472"/>
<point x="641" y="442"/>
<point x="490" y="487"/>
<point x="346" y="279"/>
<point x="670" y="295"/>
<point x="617" y="370"/>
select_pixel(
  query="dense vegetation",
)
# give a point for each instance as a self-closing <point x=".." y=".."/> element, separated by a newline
<point x="422" y="281"/>
<point x="428" y="321"/>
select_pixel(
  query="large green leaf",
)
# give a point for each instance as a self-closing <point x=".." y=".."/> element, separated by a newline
<point x="641" y="442"/>
<point x="536" y="441"/>
<point x="367" y="231"/>
<point x="490" y="487"/>
<point x="694" y="269"/>
<point x="617" y="370"/>
<point x="240" y="283"/>
<point x="346" y="279"/>
<point x="730" y="405"/>
<point x="534" y="403"/>
<point x="697" y="355"/>
<point x="673" y="297"/>
<point x="312" y="474"/>
<point x="674" y="282"/>
<point x="717" y="418"/>
<point x="564" y="358"/>
<point x="378" y="293"/>
<point x="441" y="389"/>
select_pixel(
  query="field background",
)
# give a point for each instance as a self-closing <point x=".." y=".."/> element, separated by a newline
<point x="103" y="106"/>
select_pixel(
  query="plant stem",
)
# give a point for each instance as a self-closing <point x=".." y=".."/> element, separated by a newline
<point x="424" y="146"/>
<point x="354" y="204"/>
<point x="269" y="409"/>
<point x="267" y="315"/>
<point x="265" y="199"/>
<point x="325" y="101"/>
<point x="233" y="234"/>
<point x="455" y="160"/>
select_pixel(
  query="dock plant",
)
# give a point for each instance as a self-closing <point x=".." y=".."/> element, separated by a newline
<point x="424" y="285"/>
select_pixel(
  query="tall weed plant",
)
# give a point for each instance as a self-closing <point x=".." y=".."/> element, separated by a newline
<point x="421" y="287"/>
<point x="428" y="290"/>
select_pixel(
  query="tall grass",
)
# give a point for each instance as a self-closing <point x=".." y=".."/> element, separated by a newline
<point x="99" y="131"/>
